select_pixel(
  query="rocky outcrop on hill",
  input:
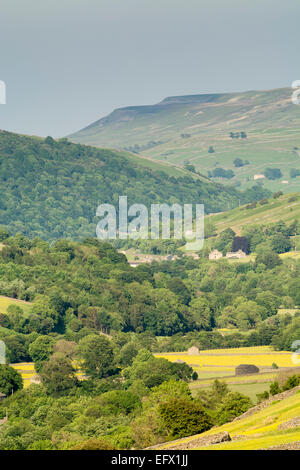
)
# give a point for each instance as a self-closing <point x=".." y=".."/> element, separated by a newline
<point x="291" y="424"/>
<point x="189" y="443"/>
<point x="289" y="446"/>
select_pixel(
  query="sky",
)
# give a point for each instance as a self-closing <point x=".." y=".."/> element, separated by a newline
<point x="67" y="63"/>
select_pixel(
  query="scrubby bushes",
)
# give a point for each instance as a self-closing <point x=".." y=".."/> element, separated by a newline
<point x="183" y="417"/>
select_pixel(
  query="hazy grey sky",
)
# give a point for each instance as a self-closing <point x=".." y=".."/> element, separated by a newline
<point x="67" y="63"/>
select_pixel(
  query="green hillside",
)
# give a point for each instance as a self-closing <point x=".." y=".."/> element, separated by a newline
<point x="285" y="208"/>
<point x="274" y="425"/>
<point x="51" y="189"/>
<point x="180" y="130"/>
<point x="171" y="169"/>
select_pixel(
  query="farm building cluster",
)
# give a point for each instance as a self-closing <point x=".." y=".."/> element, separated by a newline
<point x="216" y="254"/>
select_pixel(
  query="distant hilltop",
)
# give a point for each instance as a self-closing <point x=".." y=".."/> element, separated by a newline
<point x="229" y="137"/>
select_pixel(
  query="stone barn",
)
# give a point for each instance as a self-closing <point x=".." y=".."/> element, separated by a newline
<point x="236" y="254"/>
<point x="246" y="369"/>
<point x="193" y="351"/>
<point x="215" y="254"/>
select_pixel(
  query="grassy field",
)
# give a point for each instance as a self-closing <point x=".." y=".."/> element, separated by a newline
<point x="286" y="208"/>
<point x="5" y="302"/>
<point x="221" y="364"/>
<point x="27" y="371"/>
<point x="181" y="129"/>
<point x="250" y="389"/>
<point x="168" y="167"/>
<point x="250" y="386"/>
<point x="261" y="356"/>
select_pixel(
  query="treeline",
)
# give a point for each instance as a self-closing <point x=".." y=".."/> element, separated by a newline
<point x="220" y="173"/>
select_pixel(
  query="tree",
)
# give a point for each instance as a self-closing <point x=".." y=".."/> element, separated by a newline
<point x="127" y="354"/>
<point x="225" y="240"/>
<point x="177" y="286"/>
<point x="264" y="201"/>
<point x="49" y="141"/>
<point x="270" y="301"/>
<point x="4" y="320"/>
<point x="16" y="348"/>
<point x="222" y="173"/>
<point x="280" y="243"/>
<point x="151" y="371"/>
<point x="120" y="401"/>
<point x="183" y="417"/>
<point x="16" y="317"/>
<point x="219" y="389"/>
<point x="262" y="396"/>
<point x="190" y="167"/>
<point x="97" y="355"/>
<point x="58" y="375"/>
<point x="202" y="313"/>
<point x="67" y="348"/>
<point x="182" y="371"/>
<point x="249" y="314"/>
<point x="10" y="380"/>
<point x="211" y="398"/>
<point x="238" y="162"/>
<point x="40" y="351"/>
<point x="293" y="229"/>
<point x="269" y="258"/>
<point x="274" y="388"/>
<point x="241" y="243"/>
<point x="272" y="173"/>
<point x="169" y="389"/>
<point x="287" y="336"/>
<point x="42" y="311"/>
<point x="291" y="382"/>
<point x="232" y="405"/>
<point x="277" y="194"/>
<point x="294" y="172"/>
<point x="228" y="318"/>
<point x="3" y="235"/>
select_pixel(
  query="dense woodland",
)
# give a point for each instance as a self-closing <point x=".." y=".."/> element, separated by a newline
<point x="78" y="287"/>
<point x="91" y="309"/>
<point x="51" y="189"/>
